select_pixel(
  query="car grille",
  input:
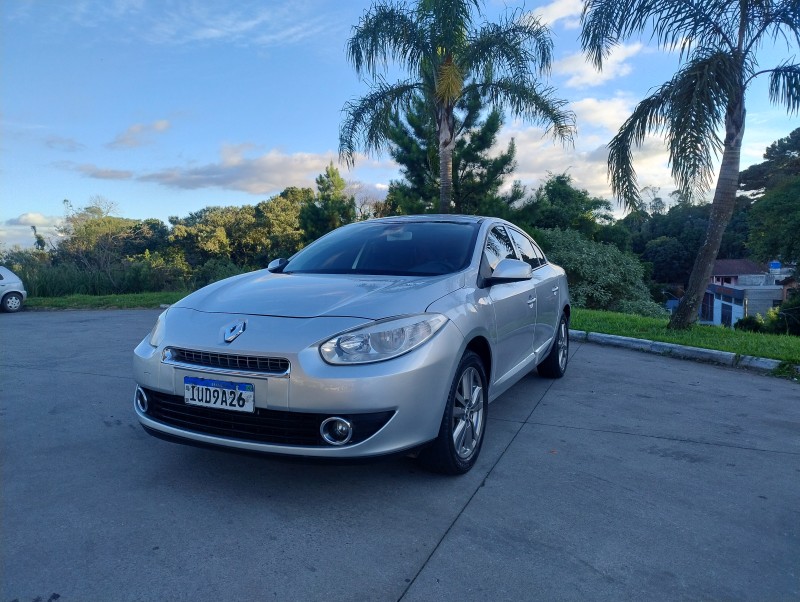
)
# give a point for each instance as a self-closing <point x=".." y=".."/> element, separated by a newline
<point x="249" y="363"/>
<point x="263" y="426"/>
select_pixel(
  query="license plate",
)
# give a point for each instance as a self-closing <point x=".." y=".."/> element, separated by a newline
<point x="219" y="394"/>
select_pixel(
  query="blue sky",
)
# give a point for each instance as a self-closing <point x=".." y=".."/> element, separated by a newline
<point x="164" y="107"/>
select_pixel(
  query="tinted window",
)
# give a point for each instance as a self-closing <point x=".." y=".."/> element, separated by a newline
<point x="527" y="250"/>
<point x="498" y="247"/>
<point x="539" y="254"/>
<point x="390" y="248"/>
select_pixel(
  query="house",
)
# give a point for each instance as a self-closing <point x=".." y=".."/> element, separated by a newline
<point x="741" y="287"/>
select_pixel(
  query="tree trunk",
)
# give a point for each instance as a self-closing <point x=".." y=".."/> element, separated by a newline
<point x="447" y="144"/>
<point x="721" y="212"/>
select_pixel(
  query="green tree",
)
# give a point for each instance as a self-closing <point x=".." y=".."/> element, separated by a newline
<point x="782" y="163"/>
<point x="775" y="223"/>
<point x="331" y="207"/>
<point x="669" y="259"/>
<point x="477" y="176"/>
<point x="718" y="41"/>
<point x="447" y="59"/>
<point x="558" y="204"/>
<point x="281" y="218"/>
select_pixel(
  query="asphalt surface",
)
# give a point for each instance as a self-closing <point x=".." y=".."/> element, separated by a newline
<point x="635" y="477"/>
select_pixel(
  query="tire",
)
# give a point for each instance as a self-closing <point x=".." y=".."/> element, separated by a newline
<point x="455" y="450"/>
<point x="555" y="364"/>
<point x="12" y="302"/>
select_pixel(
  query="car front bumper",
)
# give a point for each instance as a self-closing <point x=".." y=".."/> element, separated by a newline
<point x="394" y="405"/>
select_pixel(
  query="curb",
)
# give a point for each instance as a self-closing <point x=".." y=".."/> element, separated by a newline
<point x="724" y="358"/>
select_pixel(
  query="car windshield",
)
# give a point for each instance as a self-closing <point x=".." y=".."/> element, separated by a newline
<point x="402" y="248"/>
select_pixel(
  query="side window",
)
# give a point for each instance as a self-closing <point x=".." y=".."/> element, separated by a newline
<point x="527" y="250"/>
<point x="539" y="254"/>
<point x="498" y="247"/>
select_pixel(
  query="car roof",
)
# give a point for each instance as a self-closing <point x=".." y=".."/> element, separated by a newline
<point x="431" y="217"/>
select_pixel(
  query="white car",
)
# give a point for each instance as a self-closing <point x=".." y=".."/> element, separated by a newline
<point x="384" y="336"/>
<point x="12" y="291"/>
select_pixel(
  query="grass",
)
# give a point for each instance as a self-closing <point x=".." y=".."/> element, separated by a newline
<point x="785" y="348"/>
<point x="132" y="301"/>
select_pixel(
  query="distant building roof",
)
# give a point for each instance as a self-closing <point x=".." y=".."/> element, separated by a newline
<point x="737" y="267"/>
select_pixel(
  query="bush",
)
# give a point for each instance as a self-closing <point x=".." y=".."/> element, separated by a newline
<point x="785" y="319"/>
<point x="214" y="270"/>
<point x="648" y="309"/>
<point x="600" y="276"/>
<point x="750" y="324"/>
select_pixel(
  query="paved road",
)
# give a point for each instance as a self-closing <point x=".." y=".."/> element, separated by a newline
<point x="634" y="477"/>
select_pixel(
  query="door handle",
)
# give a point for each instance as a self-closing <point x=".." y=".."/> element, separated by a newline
<point x="531" y="301"/>
<point x="555" y="290"/>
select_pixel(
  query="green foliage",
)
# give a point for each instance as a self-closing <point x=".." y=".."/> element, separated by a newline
<point x="215" y="269"/>
<point x="558" y="204"/>
<point x="775" y="223"/>
<point x="750" y="324"/>
<point x="600" y="276"/>
<point x="785" y="319"/>
<point x="782" y="163"/>
<point x="330" y="209"/>
<point x="669" y="259"/>
<point x="477" y="176"/>
<point x="101" y="254"/>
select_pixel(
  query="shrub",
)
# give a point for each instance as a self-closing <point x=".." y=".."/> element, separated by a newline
<point x="750" y="324"/>
<point x="785" y="319"/>
<point x="600" y="276"/>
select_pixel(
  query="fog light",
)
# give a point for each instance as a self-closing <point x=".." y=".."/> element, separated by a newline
<point x="336" y="431"/>
<point x="140" y="399"/>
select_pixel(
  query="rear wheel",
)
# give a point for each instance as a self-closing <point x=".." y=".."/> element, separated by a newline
<point x="12" y="302"/>
<point x="555" y="364"/>
<point x="461" y="433"/>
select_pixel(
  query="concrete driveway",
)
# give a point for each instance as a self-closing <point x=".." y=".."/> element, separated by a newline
<point x="635" y="477"/>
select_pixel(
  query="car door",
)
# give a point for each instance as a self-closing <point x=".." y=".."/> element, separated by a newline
<point x="514" y="308"/>
<point x="548" y="295"/>
<point x="546" y="289"/>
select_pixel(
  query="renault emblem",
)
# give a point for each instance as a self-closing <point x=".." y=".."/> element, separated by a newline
<point x="231" y="332"/>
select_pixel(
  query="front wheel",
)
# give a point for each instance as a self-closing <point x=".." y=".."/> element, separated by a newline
<point x="461" y="433"/>
<point x="555" y="364"/>
<point x="12" y="302"/>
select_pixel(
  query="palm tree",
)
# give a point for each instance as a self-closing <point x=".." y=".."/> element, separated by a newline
<point x="718" y="42"/>
<point x="447" y="58"/>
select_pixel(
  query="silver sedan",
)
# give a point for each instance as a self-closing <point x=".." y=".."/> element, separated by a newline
<point x="384" y="336"/>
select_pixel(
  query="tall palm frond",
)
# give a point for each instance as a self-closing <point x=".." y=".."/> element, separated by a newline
<point x="369" y="118"/>
<point x="387" y="32"/>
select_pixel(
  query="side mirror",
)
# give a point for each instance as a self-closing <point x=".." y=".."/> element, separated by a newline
<point x="276" y="265"/>
<point x="511" y="270"/>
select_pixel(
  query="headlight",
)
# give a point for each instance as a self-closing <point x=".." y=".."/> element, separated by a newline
<point x="157" y="334"/>
<point x="382" y="340"/>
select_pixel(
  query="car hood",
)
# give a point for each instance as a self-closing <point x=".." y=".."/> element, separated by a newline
<point x="263" y="293"/>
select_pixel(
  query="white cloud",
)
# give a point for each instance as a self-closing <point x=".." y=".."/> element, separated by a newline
<point x="538" y="156"/>
<point x="139" y="134"/>
<point x="34" y="219"/>
<point x="606" y="114"/>
<point x="248" y="23"/>
<point x="263" y="174"/>
<point x="568" y="11"/>
<point x="179" y="22"/>
<point x="17" y="231"/>
<point x="581" y="73"/>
